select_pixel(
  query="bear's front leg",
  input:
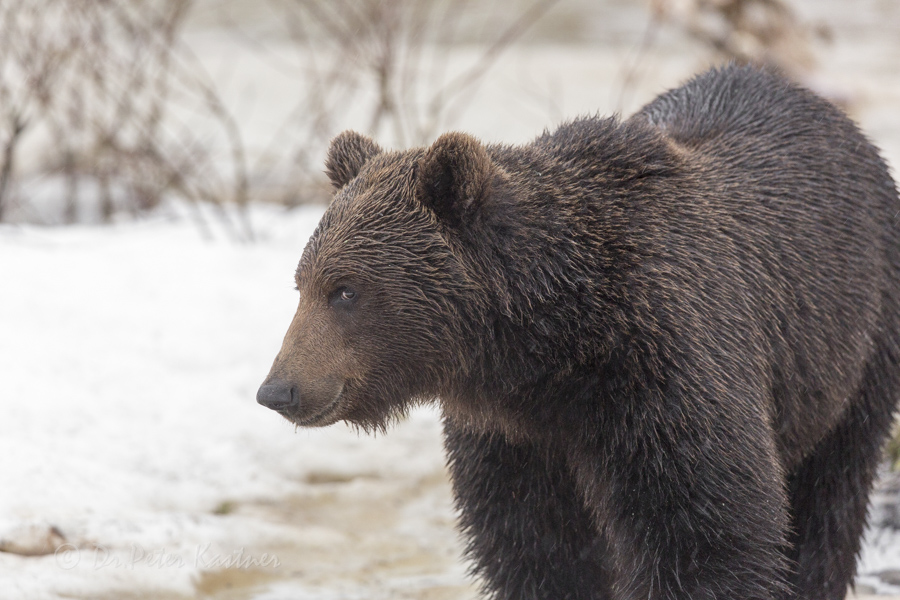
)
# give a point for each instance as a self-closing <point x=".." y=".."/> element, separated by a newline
<point x="691" y="500"/>
<point x="527" y="531"/>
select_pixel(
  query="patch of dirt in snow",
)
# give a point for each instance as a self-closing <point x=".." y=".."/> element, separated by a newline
<point x="362" y="537"/>
<point x="346" y="537"/>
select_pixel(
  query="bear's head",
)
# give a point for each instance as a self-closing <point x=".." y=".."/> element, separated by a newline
<point x="392" y="299"/>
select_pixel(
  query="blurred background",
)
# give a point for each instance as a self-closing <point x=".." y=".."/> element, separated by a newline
<point x="110" y="108"/>
<point x="161" y="168"/>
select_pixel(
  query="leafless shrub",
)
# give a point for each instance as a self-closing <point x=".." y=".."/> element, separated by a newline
<point x="116" y="113"/>
<point x="116" y="103"/>
<point x="764" y="32"/>
<point x="761" y="31"/>
<point x="401" y="46"/>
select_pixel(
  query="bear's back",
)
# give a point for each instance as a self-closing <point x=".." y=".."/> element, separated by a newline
<point x="813" y="212"/>
<point x="722" y="108"/>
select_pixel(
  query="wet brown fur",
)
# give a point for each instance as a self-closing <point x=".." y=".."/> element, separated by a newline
<point x="666" y="348"/>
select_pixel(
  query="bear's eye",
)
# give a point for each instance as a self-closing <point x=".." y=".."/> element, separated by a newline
<point x="343" y="297"/>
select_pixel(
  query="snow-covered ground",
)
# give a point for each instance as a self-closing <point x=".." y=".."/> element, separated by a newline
<point x="129" y="434"/>
<point x="130" y="357"/>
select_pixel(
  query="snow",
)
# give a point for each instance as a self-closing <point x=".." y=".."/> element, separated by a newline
<point x="131" y="360"/>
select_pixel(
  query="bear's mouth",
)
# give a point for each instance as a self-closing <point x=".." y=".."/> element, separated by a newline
<point x="328" y="415"/>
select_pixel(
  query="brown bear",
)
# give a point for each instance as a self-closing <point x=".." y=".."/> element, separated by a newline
<point x="666" y="349"/>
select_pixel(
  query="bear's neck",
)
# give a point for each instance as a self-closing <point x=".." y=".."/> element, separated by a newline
<point x="568" y="225"/>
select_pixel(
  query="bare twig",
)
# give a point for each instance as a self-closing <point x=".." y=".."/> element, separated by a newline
<point x="389" y="60"/>
<point x="630" y="69"/>
<point x="448" y="97"/>
<point x="759" y="31"/>
<point x="123" y="103"/>
<point x="17" y="126"/>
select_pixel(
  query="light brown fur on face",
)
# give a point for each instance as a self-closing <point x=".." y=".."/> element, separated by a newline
<point x="316" y="364"/>
<point x="368" y="358"/>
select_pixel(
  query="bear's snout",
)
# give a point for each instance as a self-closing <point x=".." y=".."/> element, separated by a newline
<point x="277" y="395"/>
<point x="312" y="403"/>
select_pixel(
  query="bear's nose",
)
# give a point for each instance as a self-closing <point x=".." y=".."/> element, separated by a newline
<point x="276" y="395"/>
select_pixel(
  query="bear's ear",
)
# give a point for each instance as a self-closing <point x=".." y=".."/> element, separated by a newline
<point x="454" y="177"/>
<point x="347" y="154"/>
